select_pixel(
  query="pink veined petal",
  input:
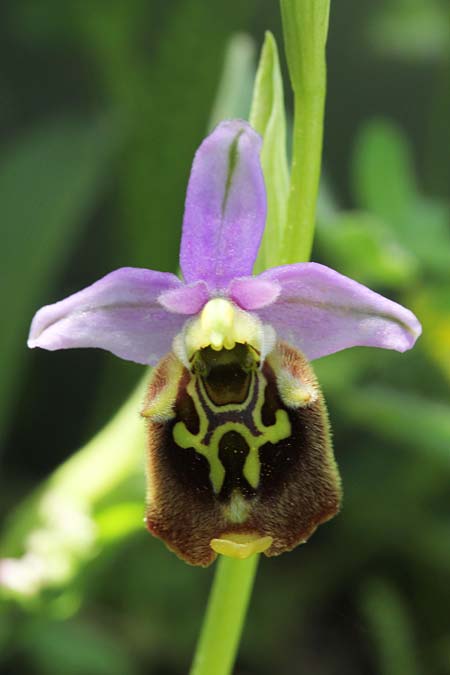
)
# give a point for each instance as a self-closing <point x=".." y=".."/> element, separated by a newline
<point x="185" y="299"/>
<point x="225" y="208"/>
<point x="119" y="313"/>
<point x="253" y="293"/>
<point x="321" y="311"/>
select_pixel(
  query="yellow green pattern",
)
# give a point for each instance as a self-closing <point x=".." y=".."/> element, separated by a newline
<point x="211" y="431"/>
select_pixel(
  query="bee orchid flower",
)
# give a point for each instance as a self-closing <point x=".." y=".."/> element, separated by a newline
<point x="239" y="454"/>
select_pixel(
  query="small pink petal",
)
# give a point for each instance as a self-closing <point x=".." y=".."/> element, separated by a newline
<point x="185" y="299"/>
<point x="253" y="293"/>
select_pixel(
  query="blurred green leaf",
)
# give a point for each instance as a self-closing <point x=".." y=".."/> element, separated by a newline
<point x="432" y="548"/>
<point x="55" y="531"/>
<point x="327" y="206"/>
<point x="119" y="520"/>
<point x="234" y="93"/>
<point x="442" y="652"/>
<point x="413" y="30"/>
<point x="401" y="417"/>
<point x="49" y="181"/>
<point x="166" y="100"/>
<point x="268" y="117"/>
<point x="390" y="628"/>
<point x="360" y="245"/>
<point x="428" y="234"/>
<point x="5" y="630"/>
<point x="432" y="305"/>
<point x="75" y="648"/>
<point x="385" y="185"/>
<point x="383" y="173"/>
<point x="337" y="372"/>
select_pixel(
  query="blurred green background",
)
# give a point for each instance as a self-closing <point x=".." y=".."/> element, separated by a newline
<point x="102" y="107"/>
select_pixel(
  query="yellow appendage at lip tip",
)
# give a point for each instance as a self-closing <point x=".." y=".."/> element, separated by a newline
<point x="240" y="546"/>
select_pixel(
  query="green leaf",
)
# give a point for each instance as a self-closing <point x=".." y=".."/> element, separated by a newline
<point x="432" y="305"/>
<point x="49" y="181"/>
<point x="360" y="245"/>
<point x="267" y="116"/>
<point x="428" y="234"/>
<point x="75" y="647"/>
<point x="390" y="628"/>
<point x="234" y="93"/>
<point x="165" y="85"/>
<point x="415" y="422"/>
<point x="119" y="520"/>
<point x="385" y="184"/>
<point x="412" y="30"/>
<point x="55" y="528"/>
<point x="383" y="176"/>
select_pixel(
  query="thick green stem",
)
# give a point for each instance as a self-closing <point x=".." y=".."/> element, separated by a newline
<point x="305" y="24"/>
<point x="305" y="174"/>
<point x="225" y="615"/>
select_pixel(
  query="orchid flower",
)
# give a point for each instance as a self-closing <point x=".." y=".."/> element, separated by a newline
<point x="239" y="451"/>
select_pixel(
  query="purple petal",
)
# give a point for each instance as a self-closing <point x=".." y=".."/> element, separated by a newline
<point x="120" y="313"/>
<point x="185" y="299"/>
<point x="321" y="311"/>
<point x="225" y="209"/>
<point x="252" y="293"/>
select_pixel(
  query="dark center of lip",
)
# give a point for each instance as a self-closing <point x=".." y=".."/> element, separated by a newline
<point x="226" y="373"/>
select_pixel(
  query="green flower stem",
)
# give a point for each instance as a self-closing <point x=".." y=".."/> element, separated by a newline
<point x="305" y="27"/>
<point x="225" y="615"/>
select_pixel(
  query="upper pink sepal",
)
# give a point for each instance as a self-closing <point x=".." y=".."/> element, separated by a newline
<point x="225" y="210"/>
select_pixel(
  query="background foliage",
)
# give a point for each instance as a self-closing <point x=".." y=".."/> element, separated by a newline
<point x="103" y="105"/>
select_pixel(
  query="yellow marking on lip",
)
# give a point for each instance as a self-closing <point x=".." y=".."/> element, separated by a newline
<point x="240" y="546"/>
<point x="252" y="467"/>
<point x="273" y="433"/>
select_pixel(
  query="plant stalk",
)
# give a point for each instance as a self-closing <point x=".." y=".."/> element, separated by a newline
<point x="305" y="28"/>
<point x="225" y="616"/>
